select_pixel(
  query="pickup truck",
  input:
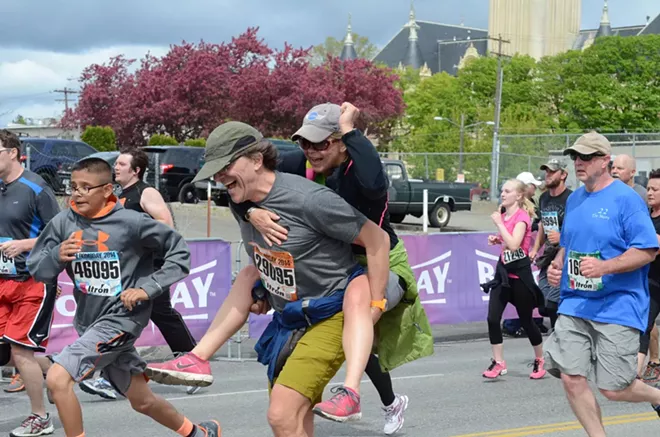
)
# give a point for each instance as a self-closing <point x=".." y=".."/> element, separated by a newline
<point x="406" y="196"/>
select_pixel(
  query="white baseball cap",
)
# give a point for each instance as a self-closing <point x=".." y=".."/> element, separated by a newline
<point x="528" y="178"/>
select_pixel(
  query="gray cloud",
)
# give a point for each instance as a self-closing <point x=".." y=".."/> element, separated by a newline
<point x="76" y="25"/>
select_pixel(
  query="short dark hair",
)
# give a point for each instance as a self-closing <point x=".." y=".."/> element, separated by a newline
<point x="655" y="174"/>
<point x="96" y="166"/>
<point x="139" y="159"/>
<point x="268" y="152"/>
<point x="9" y="140"/>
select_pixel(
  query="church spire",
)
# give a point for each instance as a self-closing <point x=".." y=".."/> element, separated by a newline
<point x="348" y="52"/>
<point x="414" y="54"/>
<point x="605" y="28"/>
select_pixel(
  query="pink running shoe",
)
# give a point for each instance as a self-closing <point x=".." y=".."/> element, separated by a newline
<point x="495" y="369"/>
<point x="538" y="372"/>
<point x="344" y="406"/>
<point x="188" y="369"/>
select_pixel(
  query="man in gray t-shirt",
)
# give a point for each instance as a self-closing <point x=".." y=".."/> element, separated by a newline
<point x="316" y="259"/>
<point x="304" y="278"/>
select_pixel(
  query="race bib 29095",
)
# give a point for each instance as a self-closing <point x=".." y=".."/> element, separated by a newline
<point x="575" y="279"/>
<point x="277" y="271"/>
<point x="7" y="265"/>
<point x="97" y="273"/>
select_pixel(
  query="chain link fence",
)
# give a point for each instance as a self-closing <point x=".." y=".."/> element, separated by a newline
<point x="519" y="153"/>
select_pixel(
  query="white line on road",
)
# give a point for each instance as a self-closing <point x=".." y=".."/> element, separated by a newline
<point x="247" y="392"/>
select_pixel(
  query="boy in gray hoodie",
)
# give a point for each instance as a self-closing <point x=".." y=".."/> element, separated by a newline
<point x="108" y="251"/>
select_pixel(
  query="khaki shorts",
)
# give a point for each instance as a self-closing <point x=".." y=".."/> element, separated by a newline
<point x="604" y="353"/>
<point x="315" y="360"/>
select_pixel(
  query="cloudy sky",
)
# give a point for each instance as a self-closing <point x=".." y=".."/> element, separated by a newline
<point x="46" y="43"/>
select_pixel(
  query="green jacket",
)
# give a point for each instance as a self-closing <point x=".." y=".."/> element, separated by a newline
<point x="403" y="334"/>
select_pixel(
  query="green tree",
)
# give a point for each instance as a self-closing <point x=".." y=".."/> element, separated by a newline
<point x="333" y="47"/>
<point x="197" y="142"/>
<point x="162" y="140"/>
<point x="102" y="138"/>
<point x="19" y="119"/>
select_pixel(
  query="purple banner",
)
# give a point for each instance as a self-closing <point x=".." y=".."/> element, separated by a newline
<point x="198" y="297"/>
<point x="449" y="269"/>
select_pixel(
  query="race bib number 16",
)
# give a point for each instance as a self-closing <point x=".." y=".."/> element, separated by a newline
<point x="277" y="272"/>
<point x="7" y="265"/>
<point x="575" y="279"/>
<point x="97" y="273"/>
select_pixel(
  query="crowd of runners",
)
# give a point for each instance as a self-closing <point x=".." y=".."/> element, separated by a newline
<point x="327" y="262"/>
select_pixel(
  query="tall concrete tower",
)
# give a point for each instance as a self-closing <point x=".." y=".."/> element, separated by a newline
<point x="535" y="27"/>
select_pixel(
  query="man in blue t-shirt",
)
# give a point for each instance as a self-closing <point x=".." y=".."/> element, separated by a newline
<point x="607" y="242"/>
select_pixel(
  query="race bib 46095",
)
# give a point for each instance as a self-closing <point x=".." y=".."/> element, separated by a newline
<point x="575" y="279"/>
<point x="7" y="265"/>
<point x="277" y="272"/>
<point x="97" y="273"/>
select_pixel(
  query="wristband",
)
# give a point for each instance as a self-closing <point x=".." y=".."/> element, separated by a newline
<point x="380" y="304"/>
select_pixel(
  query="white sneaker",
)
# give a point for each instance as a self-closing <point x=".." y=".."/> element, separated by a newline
<point x="394" y="414"/>
<point x="193" y="389"/>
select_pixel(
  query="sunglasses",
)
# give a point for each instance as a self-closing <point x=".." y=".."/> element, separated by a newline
<point x="585" y="158"/>
<point x="320" y="147"/>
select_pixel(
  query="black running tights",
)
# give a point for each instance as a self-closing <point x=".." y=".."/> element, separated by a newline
<point x="381" y="380"/>
<point x="523" y="299"/>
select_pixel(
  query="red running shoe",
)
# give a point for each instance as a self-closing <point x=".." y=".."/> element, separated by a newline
<point x="344" y="406"/>
<point x="188" y="369"/>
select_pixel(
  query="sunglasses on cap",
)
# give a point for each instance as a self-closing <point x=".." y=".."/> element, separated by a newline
<point x="585" y="158"/>
<point x="320" y="147"/>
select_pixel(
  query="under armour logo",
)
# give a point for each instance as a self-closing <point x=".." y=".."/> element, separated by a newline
<point x="99" y="243"/>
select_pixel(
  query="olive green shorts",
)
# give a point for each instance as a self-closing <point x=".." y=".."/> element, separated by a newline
<point x="315" y="360"/>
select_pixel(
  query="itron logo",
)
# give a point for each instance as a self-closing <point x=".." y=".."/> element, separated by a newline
<point x="432" y="278"/>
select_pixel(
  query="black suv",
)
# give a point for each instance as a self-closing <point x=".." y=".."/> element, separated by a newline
<point x="174" y="168"/>
<point x="51" y="158"/>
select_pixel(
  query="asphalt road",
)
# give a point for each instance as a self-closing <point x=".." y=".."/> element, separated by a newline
<point x="448" y="398"/>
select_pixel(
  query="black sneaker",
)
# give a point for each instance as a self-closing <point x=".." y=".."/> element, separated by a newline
<point x="656" y="408"/>
<point x="211" y="428"/>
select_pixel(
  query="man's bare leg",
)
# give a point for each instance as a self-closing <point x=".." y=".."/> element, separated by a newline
<point x="32" y="376"/>
<point x="584" y="404"/>
<point x="288" y="413"/>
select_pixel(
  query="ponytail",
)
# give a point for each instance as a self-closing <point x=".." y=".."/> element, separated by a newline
<point x="529" y="207"/>
<point x="525" y="204"/>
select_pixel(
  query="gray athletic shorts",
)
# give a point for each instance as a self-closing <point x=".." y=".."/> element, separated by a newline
<point x="604" y="353"/>
<point x="106" y="348"/>
<point x="394" y="291"/>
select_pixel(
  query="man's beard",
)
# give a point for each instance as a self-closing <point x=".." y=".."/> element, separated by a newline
<point x="552" y="184"/>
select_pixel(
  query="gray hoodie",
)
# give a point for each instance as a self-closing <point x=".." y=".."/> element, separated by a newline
<point x="117" y="254"/>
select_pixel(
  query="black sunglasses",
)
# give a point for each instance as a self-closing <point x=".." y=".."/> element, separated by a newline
<point x="323" y="145"/>
<point x="585" y="158"/>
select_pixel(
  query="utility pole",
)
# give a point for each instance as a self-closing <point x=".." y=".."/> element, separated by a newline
<point x="460" y="152"/>
<point x="495" y="158"/>
<point x="66" y="91"/>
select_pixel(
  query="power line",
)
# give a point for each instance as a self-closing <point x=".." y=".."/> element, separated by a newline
<point x="66" y="91"/>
